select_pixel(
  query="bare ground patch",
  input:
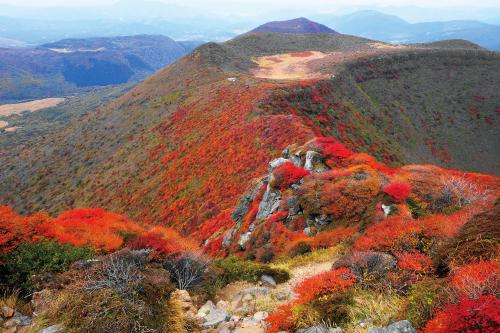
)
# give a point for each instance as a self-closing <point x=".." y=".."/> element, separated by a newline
<point x="10" y="109"/>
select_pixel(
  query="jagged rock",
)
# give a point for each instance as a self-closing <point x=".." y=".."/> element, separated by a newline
<point x="284" y="294"/>
<point x="244" y="238"/>
<point x="53" y="329"/>
<point x="268" y="280"/>
<point x="254" y="291"/>
<point x="321" y="220"/>
<point x="293" y="205"/>
<point x="276" y="163"/>
<point x="403" y="326"/>
<point x="245" y="202"/>
<point x="312" y="158"/>
<point x="296" y="159"/>
<point x="208" y="307"/>
<point x="307" y="230"/>
<point x="270" y="202"/>
<point x="285" y="153"/>
<point x="7" y="312"/>
<point x="215" y="317"/>
<point x="18" y="320"/>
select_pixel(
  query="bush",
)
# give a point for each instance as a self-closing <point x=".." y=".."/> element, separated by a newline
<point x="187" y="270"/>
<point x="476" y="279"/>
<point x="423" y="299"/>
<point x="324" y="284"/>
<point x="120" y="293"/>
<point x="42" y="257"/>
<point x="399" y="191"/>
<point x="235" y="269"/>
<point x="478" y="238"/>
<point x="286" y="175"/>
<point x="468" y="315"/>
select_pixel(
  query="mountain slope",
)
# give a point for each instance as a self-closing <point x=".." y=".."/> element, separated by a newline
<point x="296" y="26"/>
<point x="67" y="66"/>
<point x="177" y="148"/>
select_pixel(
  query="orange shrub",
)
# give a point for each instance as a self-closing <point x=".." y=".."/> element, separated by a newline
<point x="332" y="237"/>
<point x="90" y="227"/>
<point x="414" y="261"/>
<point x="324" y="284"/>
<point x="280" y="320"/>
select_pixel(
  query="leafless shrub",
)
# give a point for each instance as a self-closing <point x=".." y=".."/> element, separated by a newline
<point x="120" y="271"/>
<point x="459" y="191"/>
<point x="187" y="270"/>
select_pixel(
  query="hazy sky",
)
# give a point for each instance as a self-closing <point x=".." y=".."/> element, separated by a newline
<point x="284" y="3"/>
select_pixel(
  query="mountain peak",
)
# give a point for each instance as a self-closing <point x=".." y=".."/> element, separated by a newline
<point x="299" y="25"/>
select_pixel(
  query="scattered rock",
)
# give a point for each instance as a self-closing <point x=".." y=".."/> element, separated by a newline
<point x="7" y="312"/>
<point x="215" y="317"/>
<point x="260" y="315"/>
<point x="53" y="329"/>
<point x="293" y="206"/>
<point x="208" y="307"/>
<point x="403" y="326"/>
<point x="268" y="280"/>
<point x="320" y="329"/>
<point x="321" y="220"/>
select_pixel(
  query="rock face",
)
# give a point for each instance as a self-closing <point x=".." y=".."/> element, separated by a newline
<point x="270" y="202"/>
<point x="244" y="203"/>
<point x="403" y="326"/>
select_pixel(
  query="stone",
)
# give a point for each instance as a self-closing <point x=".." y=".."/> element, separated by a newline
<point x="247" y="298"/>
<point x="222" y="305"/>
<point x="260" y="315"/>
<point x="312" y="158"/>
<point x="53" y="329"/>
<point x="18" y="320"/>
<point x="250" y="327"/>
<point x="270" y="202"/>
<point x="293" y="206"/>
<point x="320" y="329"/>
<point x="244" y="203"/>
<point x="296" y="159"/>
<point x="321" y="220"/>
<point x="7" y="311"/>
<point x="215" y="317"/>
<point x="285" y="153"/>
<point x="244" y="238"/>
<point x="403" y="326"/>
<point x="276" y="163"/>
<point x="268" y="280"/>
<point x="208" y="307"/>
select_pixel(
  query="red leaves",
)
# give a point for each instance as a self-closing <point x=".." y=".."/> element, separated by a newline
<point x="332" y="149"/>
<point x="90" y="227"/>
<point x="476" y="279"/>
<point x="280" y="320"/>
<point x="399" y="191"/>
<point x="414" y="261"/>
<point x="324" y="284"/>
<point x="288" y="174"/>
<point x="480" y="315"/>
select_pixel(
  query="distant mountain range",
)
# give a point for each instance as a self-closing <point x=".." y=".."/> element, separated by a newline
<point x="392" y="29"/>
<point x="296" y="26"/>
<point x="69" y="65"/>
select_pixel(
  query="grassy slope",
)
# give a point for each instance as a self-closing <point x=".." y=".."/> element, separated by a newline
<point x="177" y="148"/>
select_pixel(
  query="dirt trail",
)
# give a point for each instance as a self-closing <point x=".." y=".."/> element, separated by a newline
<point x="10" y="109"/>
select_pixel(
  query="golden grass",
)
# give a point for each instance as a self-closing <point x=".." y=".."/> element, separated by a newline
<point x="10" y="109"/>
<point x="316" y="256"/>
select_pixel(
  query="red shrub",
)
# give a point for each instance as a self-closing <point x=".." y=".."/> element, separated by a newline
<point x="476" y="279"/>
<point x="414" y="261"/>
<point x="280" y="320"/>
<point x="324" y="284"/>
<point x="480" y="315"/>
<point x="288" y="174"/>
<point x="333" y="237"/>
<point x="90" y="227"/>
<point x="399" y="191"/>
<point x="163" y="241"/>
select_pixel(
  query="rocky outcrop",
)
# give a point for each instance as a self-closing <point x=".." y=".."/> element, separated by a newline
<point x="245" y="202"/>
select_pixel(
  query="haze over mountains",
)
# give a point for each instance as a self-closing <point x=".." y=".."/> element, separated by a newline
<point x="27" y="26"/>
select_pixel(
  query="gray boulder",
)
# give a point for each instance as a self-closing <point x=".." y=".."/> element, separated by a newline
<point x="215" y="317"/>
<point x="268" y="280"/>
<point x="274" y="164"/>
<point x="53" y="329"/>
<point x="403" y="326"/>
<point x="270" y="202"/>
<point x="244" y="203"/>
<point x="312" y="158"/>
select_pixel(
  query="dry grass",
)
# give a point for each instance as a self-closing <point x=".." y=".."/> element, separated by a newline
<point x="314" y="257"/>
<point x="10" y="109"/>
<point x="381" y="306"/>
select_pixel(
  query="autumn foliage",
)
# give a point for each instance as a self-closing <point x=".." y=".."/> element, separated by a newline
<point x="324" y="284"/>
<point x="399" y="191"/>
<point x="288" y="174"/>
<point x="468" y="315"/>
